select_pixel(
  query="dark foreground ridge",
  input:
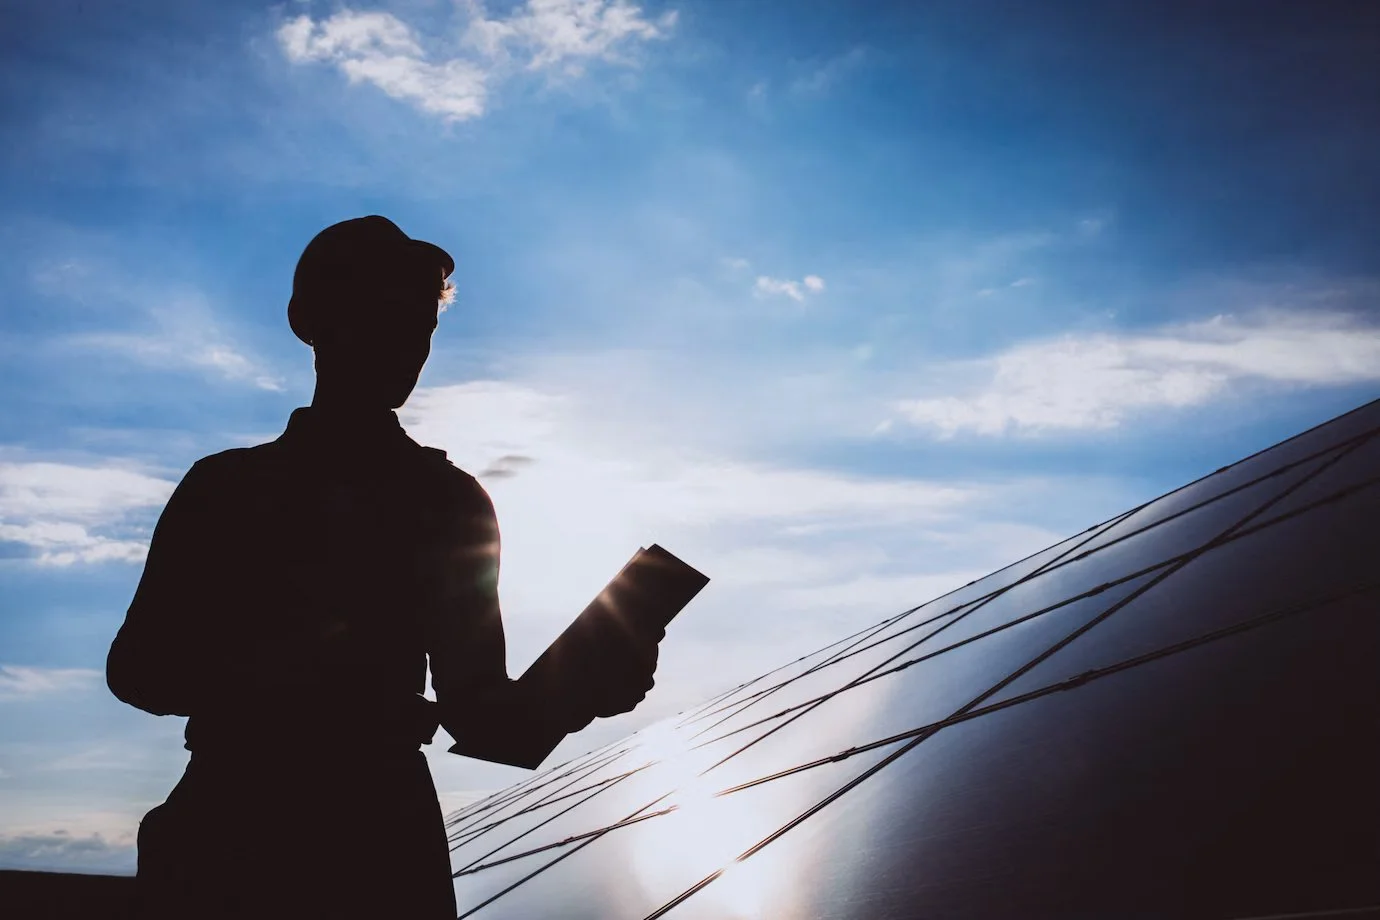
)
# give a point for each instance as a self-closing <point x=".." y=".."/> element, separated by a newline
<point x="63" y="895"/>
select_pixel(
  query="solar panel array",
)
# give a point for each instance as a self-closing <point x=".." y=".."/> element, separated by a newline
<point x="1174" y="712"/>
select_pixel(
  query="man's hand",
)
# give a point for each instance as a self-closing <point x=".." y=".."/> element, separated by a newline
<point x="609" y="668"/>
<point x="602" y="669"/>
<point x="624" y="669"/>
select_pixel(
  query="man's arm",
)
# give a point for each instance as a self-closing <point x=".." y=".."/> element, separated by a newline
<point x="153" y="663"/>
<point x="490" y="715"/>
<point x="602" y="671"/>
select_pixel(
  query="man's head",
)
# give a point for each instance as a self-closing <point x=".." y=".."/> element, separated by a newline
<point x="365" y="296"/>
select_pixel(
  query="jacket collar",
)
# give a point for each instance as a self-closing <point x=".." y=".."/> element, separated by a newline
<point x="370" y="427"/>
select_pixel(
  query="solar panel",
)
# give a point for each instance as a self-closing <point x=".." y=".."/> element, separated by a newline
<point x="1176" y="712"/>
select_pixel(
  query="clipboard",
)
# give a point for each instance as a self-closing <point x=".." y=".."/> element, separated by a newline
<point x="645" y="596"/>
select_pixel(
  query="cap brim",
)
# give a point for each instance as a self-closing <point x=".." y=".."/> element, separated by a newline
<point x="435" y="254"/>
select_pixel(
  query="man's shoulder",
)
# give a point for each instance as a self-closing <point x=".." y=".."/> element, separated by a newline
<point x="441" y="472"/>
<point x="234" y="472"/>
<point x="225" y="462"/>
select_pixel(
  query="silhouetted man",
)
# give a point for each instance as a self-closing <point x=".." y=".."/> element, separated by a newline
<point x="292" y="597"/>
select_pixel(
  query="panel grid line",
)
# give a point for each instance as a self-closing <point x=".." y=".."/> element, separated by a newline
<point x="533" y="874"/>
<point x="1350" y="445"/>
<point x="525" y="790"/>
<point x="479" y="832"/>
<point x="971" y="605"/>
<point x="914" y="742"/>
<point x="1140" y="573"/>
<point x="540" y="825"/>
<point x="908" y="740"/>
<point x="1232" y="533"/>
<point x="1071" y="683"/>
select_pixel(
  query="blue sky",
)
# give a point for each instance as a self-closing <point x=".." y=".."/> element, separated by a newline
<point x="845" y="303"/>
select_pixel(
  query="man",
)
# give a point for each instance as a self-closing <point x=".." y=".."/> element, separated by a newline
<point x="293" y="595"/>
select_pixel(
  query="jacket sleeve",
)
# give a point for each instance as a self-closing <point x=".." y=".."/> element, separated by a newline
<point x="490" y="716"/>
<point x="464" y="628"/>
<point x="155" y="662"/>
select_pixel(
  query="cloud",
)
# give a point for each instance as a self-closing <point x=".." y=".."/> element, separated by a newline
<point x="65" y="513"/>
<point x="798" y="555"/>
<point x="60" y="850"/>
<point x="184" y="336"/>
<point x="379" y="48"/>
<point x="505" y="466"/>
<point x="825" y="76"/>
<point x="1092" y="226"/>
<point x="565" y="32"/>
<point x="454" y="82"/>
<point x="19" y="682"/>
<point x="176" y="327"/>
<point x="602" y="489"/>
<point x="796" y="290"/>
<point x="1082" y="382"/>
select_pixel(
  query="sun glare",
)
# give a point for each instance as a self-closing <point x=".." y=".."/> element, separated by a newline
<point x="703" y="836"/>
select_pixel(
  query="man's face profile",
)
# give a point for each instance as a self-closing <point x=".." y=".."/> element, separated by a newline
<point x="374" y="342"/>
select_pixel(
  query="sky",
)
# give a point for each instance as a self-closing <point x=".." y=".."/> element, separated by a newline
<point x="845" y="304"/>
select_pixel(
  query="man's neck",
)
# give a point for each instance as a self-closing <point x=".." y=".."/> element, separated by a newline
<point x="341" y="403"/>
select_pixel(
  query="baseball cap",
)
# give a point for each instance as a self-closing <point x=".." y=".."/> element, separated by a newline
<point x="352" y="255"/>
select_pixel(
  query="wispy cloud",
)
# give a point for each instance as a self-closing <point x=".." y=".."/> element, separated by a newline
<point x="379" y="48"/>
<point x="65" y="513"/>
<point x="822" y="77"/>
<point x="19" y="682"/>
<point x="813" y="553"/>
<point x="61" y="850"/>
<point x="1081" y="382"/>
<point x="184" y="335"/>
<point x="565" y="33"/>
<point x="598" y="490"/>
<point x="159" y="326"/>
<point x="796" y="290"/>
<point x="454" y="80"/>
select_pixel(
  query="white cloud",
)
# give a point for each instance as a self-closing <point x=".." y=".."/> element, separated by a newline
<point x="60" y="850"/>
<point x="796" y="290"/>
<point x="177" y="328"/>
<point x="66" y="513"/>
<point x="172" y="327"/>
<point x="596" y="490"/>
<point x="179" y="345"/>
<point x="19" y="682"/>
<point x="798" y="555"/>
<point x="1097" y="381"/>
<point x="379" y="48"/>
<point x="454" y="83"/>
<point x="565" y="32"/>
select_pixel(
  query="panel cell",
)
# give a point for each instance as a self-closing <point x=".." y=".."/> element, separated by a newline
<point x="1225" y="781"/>
<point x="1324" y="552"/>
<point x="1188" y="517"/>
<point x="631" y="871"/>
<point x="928" y="691"/>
